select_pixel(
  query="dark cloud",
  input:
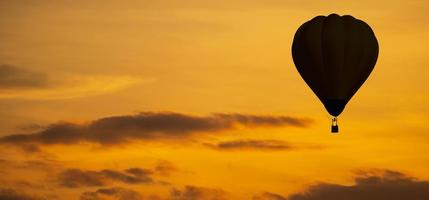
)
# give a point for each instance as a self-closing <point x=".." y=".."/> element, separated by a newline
<point x="264" y="145"/>
<point x="198" y="193"/>
<point x="374" y="185"/>
<point x="148" y="126"/>
<point x="12" y="77"/>
<point x="11" y="194"/>
<point x="268" y="196"/>
<point x="73" y="178"/>
<point x="111" y="193"/>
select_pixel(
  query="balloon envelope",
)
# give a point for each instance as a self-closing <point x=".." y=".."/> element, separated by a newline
<point x="334" y="55"/>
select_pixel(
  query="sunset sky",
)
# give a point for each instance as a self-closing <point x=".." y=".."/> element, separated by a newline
<point x="200" y="100"/>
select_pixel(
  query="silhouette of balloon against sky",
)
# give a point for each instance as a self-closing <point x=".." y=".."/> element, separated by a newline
<point x="335" y="55"/>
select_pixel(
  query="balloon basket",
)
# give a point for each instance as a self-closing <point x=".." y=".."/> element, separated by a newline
<point x="334" y="127"/>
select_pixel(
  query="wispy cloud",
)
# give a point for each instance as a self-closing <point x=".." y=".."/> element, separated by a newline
<point x="165" y="168"/>
<point x="23" y="83"/>
<point x="12" y="77"/>
<point x="40" y="164"/>
<point x="263" y="145"/>
<point x="259" y="145"/>
<point x="73" y="178"/>
<point x="150" y="126"/>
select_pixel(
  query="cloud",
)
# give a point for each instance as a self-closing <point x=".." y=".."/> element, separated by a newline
<point x="11" y="194"/>
<point x="22" y="83"/>
<point x="268" y="196"/>
<point x="35" y="185"/>
<point x="165" y="168"/>
<point x="372" y="185"/>
<point x="263" y="145"/>
<point x="263" y="120"/>
<point x="73" y="178"/>
<point x="138" y="172"/>
<point x="198" y="193"/>
<point x="259" y="145"/>
<point x="12" y="77"/>
<point x="111" y="193"/>
<point x="43" y="165"/>
<point x="30" y="127"/>
<point x="30" y="164"/>
<point x="188" y="193"/>
<point x="148" y="126"/>
<point x="31" y="148"/>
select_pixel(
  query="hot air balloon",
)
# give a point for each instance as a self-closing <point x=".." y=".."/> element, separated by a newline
<point x="334" y="55"/>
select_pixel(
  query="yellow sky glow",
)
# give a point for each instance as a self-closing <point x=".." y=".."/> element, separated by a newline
<point x="120" y="58"/>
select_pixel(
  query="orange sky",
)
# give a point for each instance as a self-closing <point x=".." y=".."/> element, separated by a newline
<point x="201" y="100"/>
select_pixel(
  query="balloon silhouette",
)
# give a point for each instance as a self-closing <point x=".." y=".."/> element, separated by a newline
<point x="334" y="55"/>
